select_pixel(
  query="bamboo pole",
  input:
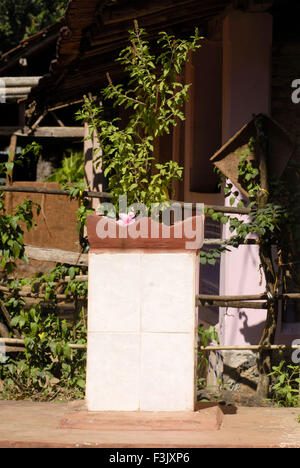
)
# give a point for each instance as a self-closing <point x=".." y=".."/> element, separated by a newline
<point x="246" y="297"/>
<point x="246" y="347"/>
<point x="14" y="349"/>
<point x="67" y="279"/>
<point x="52" y="191"/>
<point x="232" y="304"/>
<point x="216" y="208"/>
<point x="49" y="191"/>
<point x="13" y="341"/>
<point x="24" y="293"/>
<point x="224" y="241"/>
<point x="250" y="297"/>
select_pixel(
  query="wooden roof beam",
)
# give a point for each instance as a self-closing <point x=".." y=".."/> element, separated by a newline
<point x="44" y="132"/>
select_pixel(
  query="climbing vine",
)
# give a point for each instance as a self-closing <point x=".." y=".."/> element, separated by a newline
<point x="272" y="219"/>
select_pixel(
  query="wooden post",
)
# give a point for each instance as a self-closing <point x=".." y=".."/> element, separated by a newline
<point x="92" y="173"/>
<point x="9" y="175"/>
<point x="11" y="157"/>
<point x="265" y="254"/>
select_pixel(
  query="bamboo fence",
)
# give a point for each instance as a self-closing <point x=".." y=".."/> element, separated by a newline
<point x="259" y="301"/>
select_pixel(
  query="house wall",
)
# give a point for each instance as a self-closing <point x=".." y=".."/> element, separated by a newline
<point x="254" y="81"/>
<point x="286" y="69"/>
<point x="202" y="127"/>
<point x="56" y="224"/>
<point x="246" y="91"/>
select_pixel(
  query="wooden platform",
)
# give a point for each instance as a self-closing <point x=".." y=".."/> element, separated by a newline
<point x="208" y="417"/>
<point x="24" y="424"/>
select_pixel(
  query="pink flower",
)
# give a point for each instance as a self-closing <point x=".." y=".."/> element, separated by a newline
<point x="126" y="219"/>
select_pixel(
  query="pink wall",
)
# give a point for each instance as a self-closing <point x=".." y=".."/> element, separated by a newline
<point x="247" y="41"/>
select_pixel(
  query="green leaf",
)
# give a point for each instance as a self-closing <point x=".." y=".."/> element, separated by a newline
<point x="81" y="383"/>
<point x="211" y="261"/>
<point x="72" y="273"/>
<point x="67" y="351"/>
<point x="9" y="166"/>
<point x="34" y="328"/>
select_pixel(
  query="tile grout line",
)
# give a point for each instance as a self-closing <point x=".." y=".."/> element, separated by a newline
<point x="140" y="332"/>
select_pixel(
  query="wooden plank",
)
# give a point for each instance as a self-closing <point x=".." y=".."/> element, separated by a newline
<point x="59" y="132"/>
<point x="45" y="254"/>
<point x="8" y="131"/>
<point x="44" y="132"/>
<point x="14" y="81"/>
<point x="21" y="91"/>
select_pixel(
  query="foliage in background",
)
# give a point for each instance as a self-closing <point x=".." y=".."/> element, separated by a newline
<point x="11" y="232"/>
<point x="76" y="192"/>
<point x="71" y="170"/>
<point x="22" y="18"/>
<point x="153" y="99"/>
<point x="49" y="368"/>
<point x="261" y="221"/>
<point x="274" y="223"/>
<point x="274" y="214"/>
<point x="285" y="389"/>
<point x="205" y="337"/>
<point x="71" y="178"/>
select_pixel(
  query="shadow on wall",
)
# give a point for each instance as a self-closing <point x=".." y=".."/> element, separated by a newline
<point x="251" y="333"/>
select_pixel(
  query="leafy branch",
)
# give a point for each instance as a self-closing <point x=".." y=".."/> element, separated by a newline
<point x="154" y="98"/>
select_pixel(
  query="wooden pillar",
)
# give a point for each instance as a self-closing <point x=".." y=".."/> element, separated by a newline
<point x="189" y="128"/>
<point x="9" y="175"/>
<point x="93" y="174"/>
